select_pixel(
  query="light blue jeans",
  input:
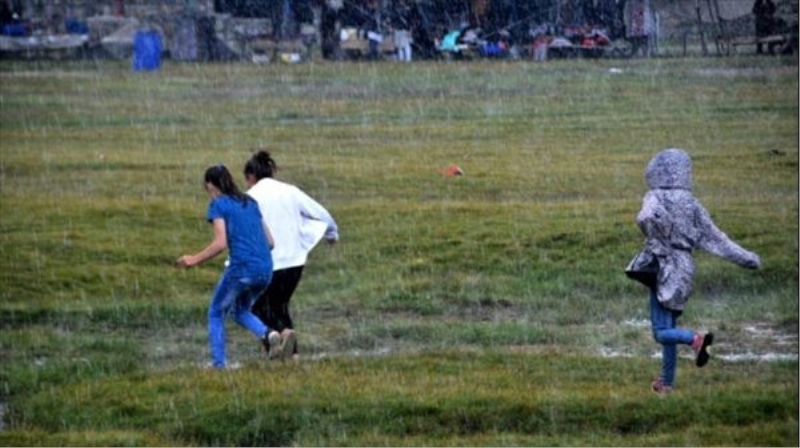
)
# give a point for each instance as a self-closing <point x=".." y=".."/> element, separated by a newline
<point x="664" y="322"/>
<point x="234" y="295"/>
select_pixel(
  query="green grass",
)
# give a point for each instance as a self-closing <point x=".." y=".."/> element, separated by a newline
<point x="455" y="311"/>
<point x="420" y="400"/>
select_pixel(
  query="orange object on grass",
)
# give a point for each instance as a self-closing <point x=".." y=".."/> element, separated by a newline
<point x="453" y="170"/>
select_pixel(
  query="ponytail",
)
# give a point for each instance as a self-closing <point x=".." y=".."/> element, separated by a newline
<point x="220" y="177"/>
<point x="260" y="165"/>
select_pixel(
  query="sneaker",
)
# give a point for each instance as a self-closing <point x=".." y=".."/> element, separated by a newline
<point x="700" y="346"/>
<point x="272" y="344"/>
<point x="660" y="388"/>
<point x="288" y="341"/>
<point x="232" y="366"/>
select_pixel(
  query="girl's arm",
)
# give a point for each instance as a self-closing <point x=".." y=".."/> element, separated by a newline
<point x="716" y="242"/>
<point x="314" y="210"/>
<point x="217" y="245"/>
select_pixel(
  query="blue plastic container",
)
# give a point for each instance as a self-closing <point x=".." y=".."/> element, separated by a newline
<point x="146" y="51"/>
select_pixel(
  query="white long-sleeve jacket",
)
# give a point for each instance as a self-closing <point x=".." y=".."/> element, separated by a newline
<point x="297" y="221"/>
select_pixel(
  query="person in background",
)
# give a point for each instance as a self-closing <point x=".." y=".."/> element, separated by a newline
<point x="674" y="223"/>
<point x="402" y="33"/>
<point x="298" y="222"/>
<point x="329" y="28"/>
<point x="236" y="221"/>
<point x="402" y="44"/>
<point x="640" y="26"/>
<point x="374" y="29"/>
<point x="763" y="10"/>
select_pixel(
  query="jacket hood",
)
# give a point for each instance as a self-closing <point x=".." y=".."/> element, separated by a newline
<point x="670" y="169"/>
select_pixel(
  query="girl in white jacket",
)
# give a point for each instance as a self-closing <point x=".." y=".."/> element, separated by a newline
<point x="297" y="223"/>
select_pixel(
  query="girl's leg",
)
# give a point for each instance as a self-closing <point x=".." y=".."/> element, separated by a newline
<point x="272" y="305"/>
<point x="280" y="293"/>
<point x="281" y="290"/>
<point x="261" y="306"/>
<point x="669" y="359"/>
<point x="217" y="312"/>
<point x="664" y="322"/>
<point x="247" y="291"/>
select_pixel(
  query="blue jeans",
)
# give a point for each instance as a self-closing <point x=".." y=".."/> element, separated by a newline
<point x="234" y="295"/>
<point x="664" y="321"/>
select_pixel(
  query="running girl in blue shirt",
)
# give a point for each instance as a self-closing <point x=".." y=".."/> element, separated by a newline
<point x="237" y="224"/>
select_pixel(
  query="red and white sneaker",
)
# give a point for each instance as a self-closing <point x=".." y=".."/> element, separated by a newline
<point x="700" y="345"/>
<point x="660" y="388"/>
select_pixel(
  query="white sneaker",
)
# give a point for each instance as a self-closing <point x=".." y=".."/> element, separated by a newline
<point x="288" y="341"/>
<point x="274" y="341"/>
<point x="232" y="366"/>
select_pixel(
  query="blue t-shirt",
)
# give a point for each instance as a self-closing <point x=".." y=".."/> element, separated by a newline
<point x="248" y="250"/>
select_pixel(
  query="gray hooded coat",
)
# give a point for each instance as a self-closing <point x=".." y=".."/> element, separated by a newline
<point x="674" y="223"/>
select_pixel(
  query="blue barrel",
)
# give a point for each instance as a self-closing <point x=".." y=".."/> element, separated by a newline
<point x="146" y="51"/>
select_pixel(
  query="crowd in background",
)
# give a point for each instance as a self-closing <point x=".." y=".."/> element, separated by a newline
<point x="425" y="29"/>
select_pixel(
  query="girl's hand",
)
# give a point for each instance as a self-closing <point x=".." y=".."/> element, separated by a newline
<point x="219" y="244"/>
<point x="185" y="261"/>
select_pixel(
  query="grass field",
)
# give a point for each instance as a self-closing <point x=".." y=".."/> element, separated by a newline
<point x="488" y="309"/>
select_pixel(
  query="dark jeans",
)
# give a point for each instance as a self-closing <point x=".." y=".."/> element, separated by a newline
<point x="272" y="307"/>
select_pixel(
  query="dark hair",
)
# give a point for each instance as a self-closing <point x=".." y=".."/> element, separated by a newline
<point x="260" y="165"/>
<point x="220" y="177"/>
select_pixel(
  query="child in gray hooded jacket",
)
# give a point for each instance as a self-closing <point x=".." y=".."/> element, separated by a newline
<point x="674" y="223"/>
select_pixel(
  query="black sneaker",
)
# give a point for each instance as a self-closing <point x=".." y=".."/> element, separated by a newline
<point x="700" y="347"/>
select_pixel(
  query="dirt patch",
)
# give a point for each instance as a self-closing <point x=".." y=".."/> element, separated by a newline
<point x="762" y="342"/>
<point x="746" y="342"/>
